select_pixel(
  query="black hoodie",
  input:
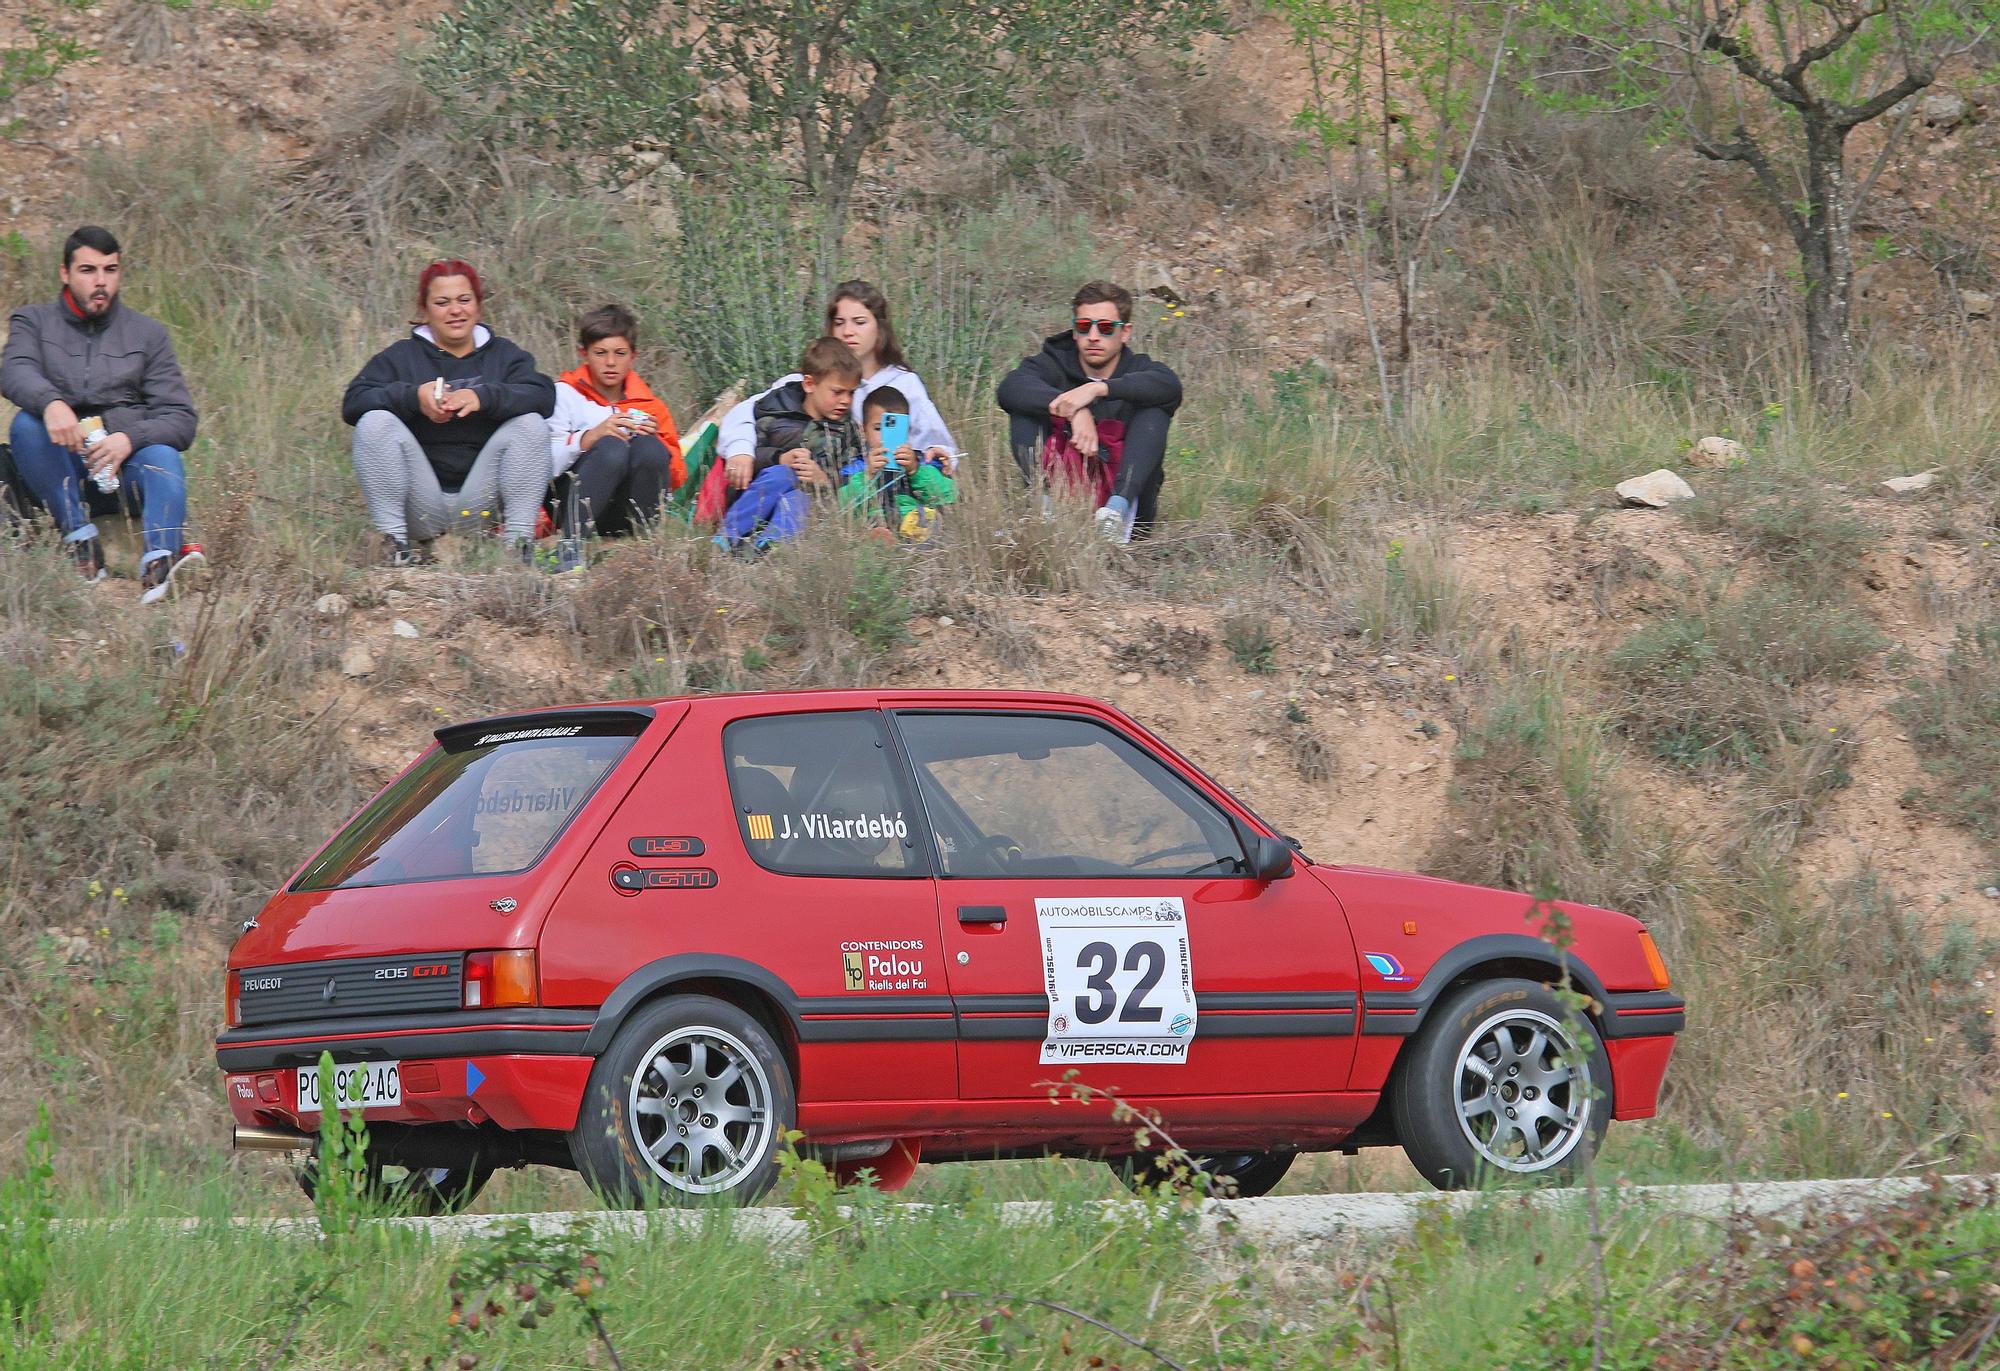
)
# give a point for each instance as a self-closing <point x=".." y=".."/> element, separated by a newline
<point x="1136" y="382"/>
<point x="501" y="372"/>
<point x="783" y="424"/>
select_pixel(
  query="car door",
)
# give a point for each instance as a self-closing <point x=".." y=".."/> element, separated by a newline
<point x="796" y="822"/>
<point x="1097" y="916"/>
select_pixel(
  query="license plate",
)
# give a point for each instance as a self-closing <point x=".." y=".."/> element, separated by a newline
<point x="367" y="1085"/>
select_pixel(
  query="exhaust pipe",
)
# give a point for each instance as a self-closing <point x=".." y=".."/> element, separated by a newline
<point x="269" y="1139"/>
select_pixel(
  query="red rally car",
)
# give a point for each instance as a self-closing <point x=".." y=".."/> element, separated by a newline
<point x="645" y="940"/>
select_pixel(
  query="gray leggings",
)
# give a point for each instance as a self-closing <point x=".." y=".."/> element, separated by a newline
<point x="405" y="499"/>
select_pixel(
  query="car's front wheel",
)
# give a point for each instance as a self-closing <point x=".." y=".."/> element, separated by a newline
<point x="690" y="1103"/>
<point x="1243" y="1175"/>
<point x="1502" y="1081"/>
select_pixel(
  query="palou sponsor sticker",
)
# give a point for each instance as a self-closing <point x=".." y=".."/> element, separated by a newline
<point x="1119" y="979"/>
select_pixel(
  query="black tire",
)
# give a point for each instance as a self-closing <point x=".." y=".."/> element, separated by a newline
<point x="424" y="1192"/>
<point x="1250" y="1174"/>
<point x="645" y="1136"/>
<point x="1536" y="1115"/>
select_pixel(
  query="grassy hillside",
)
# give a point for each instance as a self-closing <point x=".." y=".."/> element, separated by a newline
<point x="1761" y="721"/>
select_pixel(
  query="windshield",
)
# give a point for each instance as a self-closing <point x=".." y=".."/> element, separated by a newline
<point x="483" y="809"/>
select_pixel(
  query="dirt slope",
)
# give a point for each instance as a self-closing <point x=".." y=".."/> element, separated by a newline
<point x="1350" y="750"/>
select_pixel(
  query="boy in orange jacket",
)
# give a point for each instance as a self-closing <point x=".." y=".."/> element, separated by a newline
<point x="610" y="432"/>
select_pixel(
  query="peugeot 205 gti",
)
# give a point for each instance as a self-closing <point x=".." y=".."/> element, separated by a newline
<point x="648" y="940"/>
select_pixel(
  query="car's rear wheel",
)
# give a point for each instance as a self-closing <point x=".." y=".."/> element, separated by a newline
<point x="1244" y="1175"/>
<point x="691" y="1103"/>
<point x="421" y="1191"/>
<point x="1500" y="1084"/>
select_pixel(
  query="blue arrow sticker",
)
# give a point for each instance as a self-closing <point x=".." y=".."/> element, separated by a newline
<point x="474" y="1078"/>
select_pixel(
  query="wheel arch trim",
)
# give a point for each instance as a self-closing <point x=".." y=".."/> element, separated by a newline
<point x="697" y="971"/>
<point x="1402" y="1013"/>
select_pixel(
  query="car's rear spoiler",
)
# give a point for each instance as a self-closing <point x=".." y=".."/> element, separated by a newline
<point x="545" y="723"/>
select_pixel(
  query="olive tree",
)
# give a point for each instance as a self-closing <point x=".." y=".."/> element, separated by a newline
<point x="815" y="84"/>
<point x="1777" y="86"/>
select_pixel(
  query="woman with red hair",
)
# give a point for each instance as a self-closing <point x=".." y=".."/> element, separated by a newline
<point x="450" y="423"/>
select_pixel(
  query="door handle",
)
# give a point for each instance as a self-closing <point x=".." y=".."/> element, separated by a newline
<point x="982" y="913"/>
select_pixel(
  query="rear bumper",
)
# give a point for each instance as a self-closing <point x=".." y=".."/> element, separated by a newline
<point x="515" y="1092"/>
<point x="459" y="1033"/>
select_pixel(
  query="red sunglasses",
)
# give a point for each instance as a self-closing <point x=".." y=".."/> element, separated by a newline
<point x="1107" y="327"/>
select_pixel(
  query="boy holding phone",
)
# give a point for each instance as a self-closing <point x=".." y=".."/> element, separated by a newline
<point x="613" y="436"/>
<point x="891" y="480"/>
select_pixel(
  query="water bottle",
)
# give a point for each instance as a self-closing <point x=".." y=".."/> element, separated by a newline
<point x="93" y="434"/>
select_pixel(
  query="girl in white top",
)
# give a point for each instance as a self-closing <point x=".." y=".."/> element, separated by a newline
<point x="858" y="315"/>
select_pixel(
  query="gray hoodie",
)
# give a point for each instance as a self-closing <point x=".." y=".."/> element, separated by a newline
<point x="119" y="366"/>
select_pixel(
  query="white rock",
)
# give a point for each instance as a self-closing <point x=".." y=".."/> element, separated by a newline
<point x="332" y="606"/>
<point x="1257" y="694"/>
<point x="1655" y="490"/>
<point x="403" y="628"/>
<point x="1130" y="678"/>
<point x="946" y="621"/>
<point x="357" y="661"/>
<point x="1714" y="452"/>
<point x="1908" y="485"/>
<point x="1156" y="279"/>
<point x="1369" y="769"/>
<point x="1943" y="109"/>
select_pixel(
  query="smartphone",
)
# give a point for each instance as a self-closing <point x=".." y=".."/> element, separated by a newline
<point x="895" y="432"/>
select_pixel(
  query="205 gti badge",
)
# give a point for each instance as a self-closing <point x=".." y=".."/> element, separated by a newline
<point x="1119" y="979"/>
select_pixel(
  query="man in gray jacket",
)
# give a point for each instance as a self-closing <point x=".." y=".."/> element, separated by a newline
<point x="102" y="399"/>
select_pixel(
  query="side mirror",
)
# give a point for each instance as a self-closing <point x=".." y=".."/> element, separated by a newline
<point x="1270" y="858"/>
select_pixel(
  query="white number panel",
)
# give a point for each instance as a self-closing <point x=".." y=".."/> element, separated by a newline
<point x="1119" y="979"/>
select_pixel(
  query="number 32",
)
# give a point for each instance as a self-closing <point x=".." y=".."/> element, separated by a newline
<point x="1150" y="955"/>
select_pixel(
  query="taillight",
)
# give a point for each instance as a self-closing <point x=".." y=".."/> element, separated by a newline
<point x="500" y="980"/>
<point x="1655" y="963"/>
<point x="232" y="995"/>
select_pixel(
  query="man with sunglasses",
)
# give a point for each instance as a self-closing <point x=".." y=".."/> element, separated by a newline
<point x="1086" y="377"/>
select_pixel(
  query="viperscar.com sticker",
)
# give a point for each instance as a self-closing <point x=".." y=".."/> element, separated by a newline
<point x="1119" y="978"/>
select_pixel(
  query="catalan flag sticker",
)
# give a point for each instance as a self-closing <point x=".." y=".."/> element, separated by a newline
<point x="760" y="827"/>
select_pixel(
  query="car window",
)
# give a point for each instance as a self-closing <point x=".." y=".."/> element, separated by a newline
<point x="1028" y="794"/>
<point x="816" y="795"/>
<point x="486" y="807"/>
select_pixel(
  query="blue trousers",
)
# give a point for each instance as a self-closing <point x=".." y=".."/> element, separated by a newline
<point x="772" y="507"/>
<point x="152" y="484"/>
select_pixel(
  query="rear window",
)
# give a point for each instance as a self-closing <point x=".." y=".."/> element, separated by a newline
<point x="484" y="804"/>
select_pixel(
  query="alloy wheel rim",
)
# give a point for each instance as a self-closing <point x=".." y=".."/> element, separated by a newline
<point x="700" y="1106"/>
<point x="1523" y="1097"/>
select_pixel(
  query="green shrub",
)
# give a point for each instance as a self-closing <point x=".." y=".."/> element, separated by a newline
<point x="1537" y="803"/>
<point x="27" y="1212"/>
<point x="1954" y="721"/>
<point x="1715" y="684"/>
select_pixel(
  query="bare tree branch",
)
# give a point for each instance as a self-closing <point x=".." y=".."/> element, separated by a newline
<point x="1745" y="61"/>
<point x="1743" y="148"/>
<point x="1848" y="116"/>
<point x="1881" y="161"/>
<point x="1843" y="34"/>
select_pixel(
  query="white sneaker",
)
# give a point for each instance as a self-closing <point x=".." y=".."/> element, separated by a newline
<point x="189" y="559"/>
<point x="1112" y="525"/>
